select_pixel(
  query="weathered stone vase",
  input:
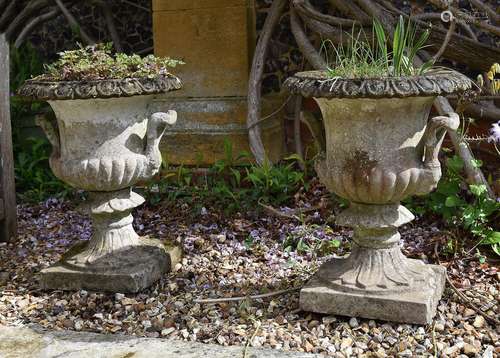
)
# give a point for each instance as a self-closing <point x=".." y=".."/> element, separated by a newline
<point x="105" y="141"/>
<point x="380" y="149"/>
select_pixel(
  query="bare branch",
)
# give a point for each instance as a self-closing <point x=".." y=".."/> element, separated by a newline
<point x="467" y="29"/>
<point x="325" y="30"/>
<point x="474" y="174"/>
<point x="145" y="50"/>
<point x="483" y="25"/>
<point x="484" y="110"/>
<point x="374" y="10"/>
<point x="348" y="7"/>
<point x="33" y="24"/>
<point x="131" y="3"/>
<point x="304" y="8"/>
<point x="110" y="23"/>
<point x="463" y="18"/>
<point x="73" y="23"/>
<point x="447" y="38"/>
<point x="488" y="10"/>
<point x="310" y="53"/>
<point x="255" y="81"/>
<point x="8" y="14"/>
<point x="441" y="4"/>
<point x="242" y="298"/>
<point x="30" y="9"/>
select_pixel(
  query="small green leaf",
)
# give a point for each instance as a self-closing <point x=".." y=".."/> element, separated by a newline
<point x="453" y="201"/>
<point x="492" y="238"/>
<point x="478" y="190"/>
<point x="455" y="163"/>
<point x="476" y="163"/>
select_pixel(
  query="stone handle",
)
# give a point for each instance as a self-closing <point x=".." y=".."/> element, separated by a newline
<point x="157" y="124"/>
<point x="156" y="128"/>
<point x="51" y="131"/>
<point x="434" y="136"/>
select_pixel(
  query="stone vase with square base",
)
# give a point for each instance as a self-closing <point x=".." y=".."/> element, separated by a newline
<point x="380" y="149"/>
<point x="104" y="141"/>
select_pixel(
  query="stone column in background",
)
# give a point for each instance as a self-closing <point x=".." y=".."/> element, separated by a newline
<point x="216" y="39"/>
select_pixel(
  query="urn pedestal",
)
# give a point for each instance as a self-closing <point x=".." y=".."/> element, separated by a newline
<point x="104" y="141"/>
<point x="380" y="149"/>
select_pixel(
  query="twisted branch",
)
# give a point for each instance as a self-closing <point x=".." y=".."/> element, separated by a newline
<point x="310" y="53"/>
<point x="350" y="8"/>
<point x="8" y="14"/>
<point x="33" y="24"/>
<point x="110" y="24"/>
<point x="255" y="81"/>
<point x="482" y="6"/>
<point x="447" y="38"/>
<point x="23" y="16"/>
<point x="73" y="23"/>
<point x="304" y="8"/>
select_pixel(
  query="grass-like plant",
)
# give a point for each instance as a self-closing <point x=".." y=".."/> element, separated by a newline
<point x="97" y="62"/>
<point x="365" y="58"/>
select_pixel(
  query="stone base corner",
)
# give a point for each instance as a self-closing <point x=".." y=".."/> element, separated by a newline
<point x="129" y="270"/>
<point x="415" y="305"/>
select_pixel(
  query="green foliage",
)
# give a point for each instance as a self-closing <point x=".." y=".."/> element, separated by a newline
<point x="362" y="58"/>
<point x="464" y="205"/>
<point x="34" y="179"/>
<point x="315" y="239"/>
<point x="97" y="62"/>
<point x="231" y="183"/>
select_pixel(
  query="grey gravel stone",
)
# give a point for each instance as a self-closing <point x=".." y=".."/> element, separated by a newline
<point x="353" y="322"/>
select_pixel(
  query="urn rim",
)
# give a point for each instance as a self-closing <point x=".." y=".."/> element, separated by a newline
<point x="95" y="89"/>
<point x="434" y="83"/>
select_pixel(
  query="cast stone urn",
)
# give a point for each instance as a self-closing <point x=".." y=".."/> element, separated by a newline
<point x="105" y="141"/>
<point x="380" y="149"/>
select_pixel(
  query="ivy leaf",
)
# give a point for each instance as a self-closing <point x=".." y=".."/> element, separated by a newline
<point x="476" y="163"/>
<point x="453" y="201"/>
<point x="455" y="163"/>
<point x="492" y="238"/>
<point x="478" y="190"/>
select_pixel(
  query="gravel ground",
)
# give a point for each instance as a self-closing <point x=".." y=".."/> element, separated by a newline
<point x="241" y="255"/>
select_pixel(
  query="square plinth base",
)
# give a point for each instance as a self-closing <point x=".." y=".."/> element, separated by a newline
<point x="142" y="266"/>
<point x="417" y="305"/>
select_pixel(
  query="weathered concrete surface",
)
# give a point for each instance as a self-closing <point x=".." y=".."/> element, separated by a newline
<point x="32" y="342"/>
<point x="415" y="304"/>
<point x="131" y="269"/>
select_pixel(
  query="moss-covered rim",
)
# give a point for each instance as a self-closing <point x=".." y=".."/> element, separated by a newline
<point x="433" y="83"/>
<point x="109" y="88"/>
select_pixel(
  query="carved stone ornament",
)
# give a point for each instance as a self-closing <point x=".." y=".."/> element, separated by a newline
<point x="109" y="88"/>
<point x="380" y="149"/>
<point x="320" y="84"/>
<point x="105" y="140"/>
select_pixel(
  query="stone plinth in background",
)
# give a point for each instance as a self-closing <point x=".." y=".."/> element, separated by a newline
<point x="216" y="39"/>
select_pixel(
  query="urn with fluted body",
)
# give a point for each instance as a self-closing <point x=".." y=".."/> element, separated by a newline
<point x="105" y="140"/>
<point x="380" y="149"/>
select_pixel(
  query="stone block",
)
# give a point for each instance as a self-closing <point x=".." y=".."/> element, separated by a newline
<point x="214" y="38"/>
<point x="416" y="304"/>
<point x="127" y="271"/>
